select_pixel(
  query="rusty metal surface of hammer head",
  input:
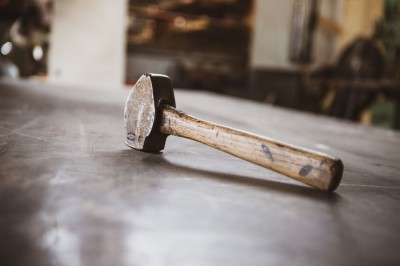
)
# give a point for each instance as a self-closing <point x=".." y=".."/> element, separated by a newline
<point x="143" y="112"/>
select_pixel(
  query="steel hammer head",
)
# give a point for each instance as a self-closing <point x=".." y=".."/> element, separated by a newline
<point x="143" y="112"/>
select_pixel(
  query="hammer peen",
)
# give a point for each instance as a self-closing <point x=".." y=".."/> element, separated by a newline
<point x="150" y="116"/>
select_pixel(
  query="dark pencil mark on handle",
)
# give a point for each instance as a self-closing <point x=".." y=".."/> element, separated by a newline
<point x="305" y="170"/>
<point x="267" y="152"/>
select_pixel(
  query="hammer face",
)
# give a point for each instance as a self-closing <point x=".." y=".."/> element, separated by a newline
<point x="139" y="113"/>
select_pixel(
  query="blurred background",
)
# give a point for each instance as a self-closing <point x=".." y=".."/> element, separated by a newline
<point x="339" y="58"/>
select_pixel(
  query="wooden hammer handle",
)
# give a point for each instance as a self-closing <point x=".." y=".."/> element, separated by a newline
<point x="310" y="167"/>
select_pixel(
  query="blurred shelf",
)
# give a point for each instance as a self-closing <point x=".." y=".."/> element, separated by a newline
<point x="202" y="40"/>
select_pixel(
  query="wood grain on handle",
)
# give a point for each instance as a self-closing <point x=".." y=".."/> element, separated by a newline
<point x="310" y="167"/>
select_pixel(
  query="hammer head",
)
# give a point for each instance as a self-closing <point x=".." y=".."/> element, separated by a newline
<point x="143" y="112"/>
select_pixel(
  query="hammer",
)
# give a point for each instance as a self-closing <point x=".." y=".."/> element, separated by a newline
<point x="150" y="116"/>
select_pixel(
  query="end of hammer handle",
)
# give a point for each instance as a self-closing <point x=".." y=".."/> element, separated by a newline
<point x="337" y="173"/>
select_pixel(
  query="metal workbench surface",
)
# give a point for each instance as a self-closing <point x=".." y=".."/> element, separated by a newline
<point x="72" y="193"/>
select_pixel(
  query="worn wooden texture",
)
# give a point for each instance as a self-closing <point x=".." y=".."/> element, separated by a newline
<point x="310" y="167"/>
<point x="72" y="192"/>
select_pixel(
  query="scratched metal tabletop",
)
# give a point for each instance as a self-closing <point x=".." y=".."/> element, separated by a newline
<point x="72" y="193"/>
